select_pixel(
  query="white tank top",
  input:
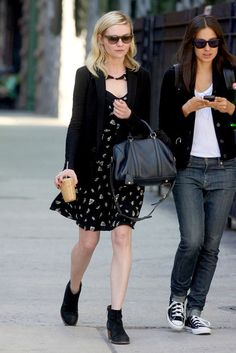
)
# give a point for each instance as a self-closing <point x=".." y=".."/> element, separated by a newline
<point x="205" y="143"/>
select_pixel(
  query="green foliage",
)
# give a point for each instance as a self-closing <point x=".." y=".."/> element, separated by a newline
<point x="160" y="6"/>
<point x="112" y="5"/>
<point x="214" y="2"/>
<point x="108" y="5"/>
<point x="81" y="11"/>
<point x="103" y="4"/>
<point x="80" y="15"/>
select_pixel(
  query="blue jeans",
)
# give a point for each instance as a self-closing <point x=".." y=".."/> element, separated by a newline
<point x="203" y="195"/>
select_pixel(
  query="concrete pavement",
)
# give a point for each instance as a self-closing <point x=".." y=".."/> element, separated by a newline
<point x="35" y="261"/>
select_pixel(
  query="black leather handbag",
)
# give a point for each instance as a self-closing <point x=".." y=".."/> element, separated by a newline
<point x="143" y="161"/>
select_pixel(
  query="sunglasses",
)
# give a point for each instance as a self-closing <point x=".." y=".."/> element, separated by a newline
<point x="126" y="39"/>
<point x="201" y="43"/>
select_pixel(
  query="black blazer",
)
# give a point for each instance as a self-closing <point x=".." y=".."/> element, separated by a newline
<point x="86" y="125"/>
<point x="180" y="129"/>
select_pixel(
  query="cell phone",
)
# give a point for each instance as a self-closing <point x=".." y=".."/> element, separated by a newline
<point x="209" y="98"/>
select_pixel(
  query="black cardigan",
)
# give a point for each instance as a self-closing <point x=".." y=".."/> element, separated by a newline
<point x="86" y="125"/>
<point x="180" y="129"/>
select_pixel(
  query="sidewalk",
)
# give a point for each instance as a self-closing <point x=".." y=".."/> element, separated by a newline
<point x="35" y="261"/>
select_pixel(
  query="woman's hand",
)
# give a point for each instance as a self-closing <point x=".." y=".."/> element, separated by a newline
<point x="220" y="103"/>
<point x="194" y="104"/>
<point x="65" y="174"/>
<point x="121" y="109"/>
<point x="223" y="105"/>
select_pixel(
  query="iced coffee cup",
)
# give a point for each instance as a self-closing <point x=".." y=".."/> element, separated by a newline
<point x="68" y="190"/>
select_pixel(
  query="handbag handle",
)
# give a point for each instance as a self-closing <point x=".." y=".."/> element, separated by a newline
<point x="148" y="126"/>
<point x="149" y="215"/>
<point x="152" y="133"/>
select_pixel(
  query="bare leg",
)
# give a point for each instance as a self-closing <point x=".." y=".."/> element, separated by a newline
<point x="121" y="264"/>
<point x="81" y="255"/>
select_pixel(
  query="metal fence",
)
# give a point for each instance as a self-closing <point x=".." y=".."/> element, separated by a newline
<point x="158" y="38"/>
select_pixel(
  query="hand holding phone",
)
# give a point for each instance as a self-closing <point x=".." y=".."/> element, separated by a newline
<point x="209" y="98"/>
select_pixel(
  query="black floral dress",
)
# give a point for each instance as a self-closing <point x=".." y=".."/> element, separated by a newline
<point x="94" y="208"/>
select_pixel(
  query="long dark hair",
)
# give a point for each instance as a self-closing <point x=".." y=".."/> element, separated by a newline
<point x="186" y="55"/>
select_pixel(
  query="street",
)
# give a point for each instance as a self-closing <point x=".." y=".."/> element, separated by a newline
<point x="35" y="263"/>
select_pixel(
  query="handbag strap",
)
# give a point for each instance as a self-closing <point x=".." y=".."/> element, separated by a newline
<point x="149" y="215"/>
<point x="151" y="131"/>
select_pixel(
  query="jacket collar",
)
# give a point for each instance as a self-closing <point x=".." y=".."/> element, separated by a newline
<point x="101" y="95"/>
<point x="101" y="89"/>
<point x="132" y="85"/>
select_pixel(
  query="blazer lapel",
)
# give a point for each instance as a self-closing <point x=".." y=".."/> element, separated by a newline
<point x="132" y="85"/>
<point x="100" y="88"/>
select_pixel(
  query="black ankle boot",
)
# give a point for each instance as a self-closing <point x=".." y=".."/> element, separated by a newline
<point x="69" y="308"/>
<point x="115" y="329"/>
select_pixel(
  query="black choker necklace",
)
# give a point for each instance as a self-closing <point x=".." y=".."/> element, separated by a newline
<point x="122" y="77"/>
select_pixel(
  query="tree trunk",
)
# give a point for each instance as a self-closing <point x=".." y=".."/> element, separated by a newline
<point x="124" y="6"/>
<point x="143" y="7"/>
<point x="93" y="10"/>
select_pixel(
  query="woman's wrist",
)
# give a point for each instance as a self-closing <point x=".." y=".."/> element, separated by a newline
<point x="231" y="109"/>
<point x="185" y="109"/>
<point x="129" y="113"/>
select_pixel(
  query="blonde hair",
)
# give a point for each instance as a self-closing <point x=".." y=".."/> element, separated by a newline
<point x="97" y="56"/>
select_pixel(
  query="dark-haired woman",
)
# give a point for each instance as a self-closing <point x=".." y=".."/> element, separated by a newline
<point x="205" y="152"/>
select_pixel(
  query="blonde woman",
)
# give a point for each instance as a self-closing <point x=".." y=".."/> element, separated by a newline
<point x="111" y="95"/>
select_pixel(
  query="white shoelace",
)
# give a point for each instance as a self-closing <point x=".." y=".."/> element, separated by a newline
<point x="199" y="322"/>
<point x="177" y="309"/>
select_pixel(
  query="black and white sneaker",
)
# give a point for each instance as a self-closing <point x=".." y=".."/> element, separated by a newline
<point x="175" y="315"/>
<point x="197" y="325"/>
